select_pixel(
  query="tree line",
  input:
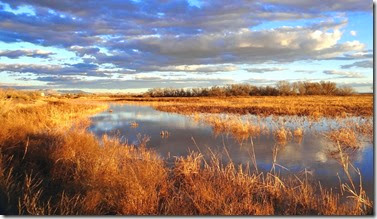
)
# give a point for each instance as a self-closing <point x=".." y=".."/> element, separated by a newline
<point x="281" y="88"/>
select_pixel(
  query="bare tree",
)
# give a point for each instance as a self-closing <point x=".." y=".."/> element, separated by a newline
<point x="345" y="91"/>
<point x="284" y="88"/>
<point x="328" y="87"/>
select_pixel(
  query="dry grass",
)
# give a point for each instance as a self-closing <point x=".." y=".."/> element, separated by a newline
<point x="346" y="137"/>
<point x="231" y="124"/>
<point x="365" y="129"/>
<point x="50" y="164"/>
<point x="358" y="195"/>
<point x="50" y="167"/>
<point x="213" y="189"/>
<point x="350" y="137"/>
<point x="134" y="124"/>
<point x="298" y="134"/>
<point x="19" y="96"/>
<point x="283" y="135"/>
<point x="313" y="106"/>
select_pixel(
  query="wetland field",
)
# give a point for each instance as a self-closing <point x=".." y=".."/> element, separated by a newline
<point x="187" y="108"/>
<point x="135" y="155"/>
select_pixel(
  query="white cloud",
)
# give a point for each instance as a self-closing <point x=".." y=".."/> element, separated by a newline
<point x="305" y="71"/>
<point x="14" y="54"/>
<point x="174" y="37"/>
<point x="344" y="74"/>
<point x="360" y="64"/>
<point x="195" y="68"/>
<point x="262" y="70"/>
<point x="245" y="46"/>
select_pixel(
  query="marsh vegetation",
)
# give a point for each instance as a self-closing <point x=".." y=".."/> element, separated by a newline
<point x="56" y="160"/>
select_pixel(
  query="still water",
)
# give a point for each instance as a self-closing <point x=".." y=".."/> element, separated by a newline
<point x="311" y="155"/>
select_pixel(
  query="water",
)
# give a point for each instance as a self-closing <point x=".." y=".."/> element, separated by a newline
<point x="186" y="135"/>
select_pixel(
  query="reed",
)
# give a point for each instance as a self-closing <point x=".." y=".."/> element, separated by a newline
<point x="298" y="134"/>
<point x="239" y="128"/>
<point x="314" y="107"/>
<point x="51" y="165"/>
<point x="283" y="135"/>
<point x="346" y="137"/>
<point x="134" y="124"/>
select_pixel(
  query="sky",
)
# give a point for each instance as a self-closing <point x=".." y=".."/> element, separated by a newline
<point x="135" y="45"/>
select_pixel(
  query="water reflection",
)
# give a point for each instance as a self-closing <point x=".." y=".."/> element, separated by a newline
<point x="186" y="135"/>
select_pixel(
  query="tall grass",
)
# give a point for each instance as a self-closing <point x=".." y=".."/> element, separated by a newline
<point x="51" y="165"/>
<point x="298" y="134"/>
<point x="283" y="135"/>
<point x="346" y="137"/>
<point x="12" y="94"/>
<point x="315" y="107"/>
<point x="234" y="125"/>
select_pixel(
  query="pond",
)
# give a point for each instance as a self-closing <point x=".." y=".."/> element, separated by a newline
<point x="311" y="155"/>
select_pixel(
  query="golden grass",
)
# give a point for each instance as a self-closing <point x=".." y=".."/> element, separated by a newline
<point x="213" y="189"/>
<point x="51" y="165"/>
<point x="134" y="124"/>
<point x="350" y="137"/>
<point x="346" y="137"/>
<point x="283" y="135"/>
<point x="232" y="124"/>
<point x="313" y="106"/>
<point x="298" y="134"/>
<point x="20" y="96"/>
<point x="365" y="129"/>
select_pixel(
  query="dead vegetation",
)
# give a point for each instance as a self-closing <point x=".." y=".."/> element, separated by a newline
<point x="312" y="106"/>
<point x="134" y="124"/>
<point x="352" y="133"/>
<point x="50" y="165"/>
<point x="283" y="135"/>
<point x="298" y="134"/>
<point x="346" y="137"/>
<point x="231" y="124"/>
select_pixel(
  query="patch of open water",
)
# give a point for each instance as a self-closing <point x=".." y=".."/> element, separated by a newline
<point x="311" y="154"/>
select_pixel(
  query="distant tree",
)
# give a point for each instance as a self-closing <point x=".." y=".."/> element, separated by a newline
<point x="312" y="88"/>
<point x="301" y="88"/>
<point x="294" y="88"/>
<point x="254" y="91"/>
<point x="345" y="91"/>
<point x="328" y="87"/>
<point x="281" y="88"/>
<point x="237" y="90"/>
<point x="284" y="88"/>
<point x="204" y="92"/>
<point x="269" y="91"/>
<point x="217" y="91"/>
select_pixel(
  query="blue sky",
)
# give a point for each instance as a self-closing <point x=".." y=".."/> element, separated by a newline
<point x="132" y="46"/>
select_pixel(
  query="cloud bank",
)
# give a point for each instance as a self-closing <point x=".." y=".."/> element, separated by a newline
<point x="130" y="37"/>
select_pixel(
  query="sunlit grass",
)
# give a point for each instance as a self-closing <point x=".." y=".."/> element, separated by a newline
<point x="315" y="107"/>
<point x="298" y="134"/>
<point x="283" y="135"/>
<point x="51" y="164"/>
